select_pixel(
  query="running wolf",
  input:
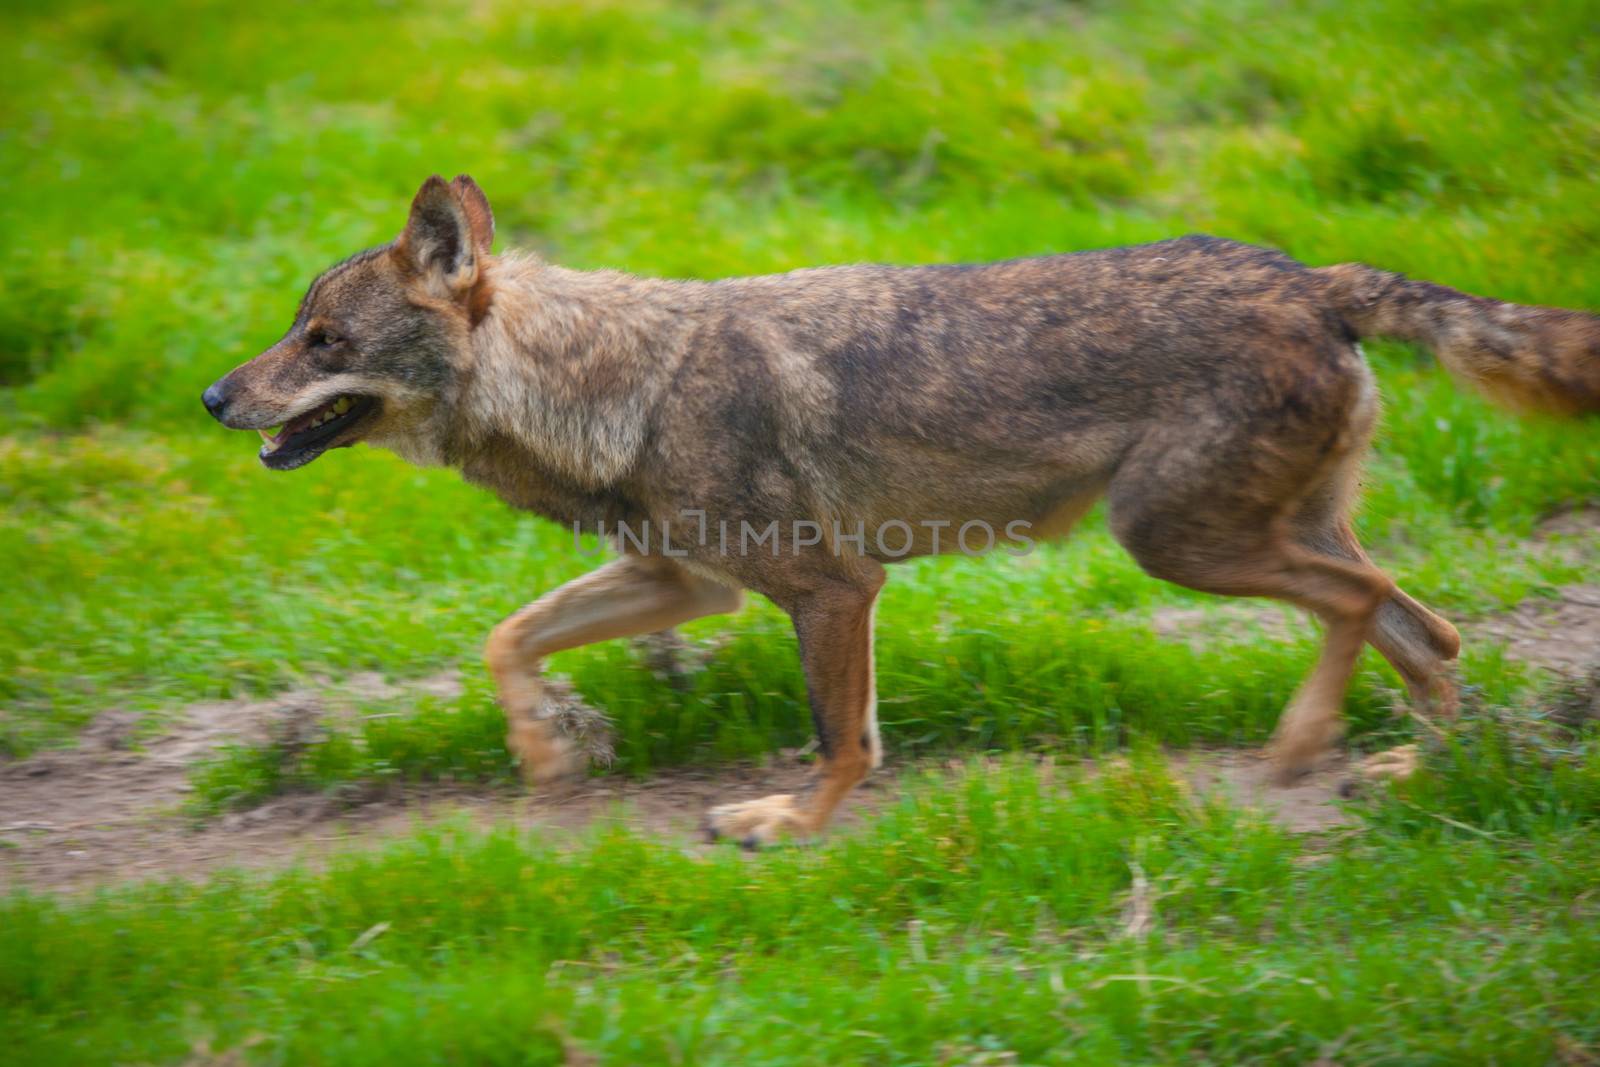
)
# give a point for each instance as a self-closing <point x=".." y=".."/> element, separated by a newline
<point x="1212" y="392"/>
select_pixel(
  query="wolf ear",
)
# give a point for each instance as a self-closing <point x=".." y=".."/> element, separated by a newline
<point x="449" y="232"/>
<point x="480" y="220"/>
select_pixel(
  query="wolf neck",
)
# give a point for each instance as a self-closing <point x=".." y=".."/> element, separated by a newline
<point x="567" y="367"/>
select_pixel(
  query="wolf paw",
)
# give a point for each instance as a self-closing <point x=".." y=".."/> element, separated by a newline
<point x="1303" y="743"/>
<point x="1395" y="764"/>
<point x="754" y="823"/>
<point x="542" y="756"/>
<point x="559" y="739"/>
<point x="1292" y="763"/>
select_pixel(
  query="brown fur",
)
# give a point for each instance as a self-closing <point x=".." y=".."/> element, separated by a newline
<point x="1527" y="358"/>
<point x="1212" y="392"/>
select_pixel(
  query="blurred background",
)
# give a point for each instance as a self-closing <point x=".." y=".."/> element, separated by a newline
<point x="174" y="174"/>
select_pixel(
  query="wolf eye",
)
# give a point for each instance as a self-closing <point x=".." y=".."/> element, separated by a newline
<point x="325" y="339"/>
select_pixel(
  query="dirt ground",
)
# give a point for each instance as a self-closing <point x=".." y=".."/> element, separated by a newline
<point x="109" y="810"/>
<point x="100" y="813"/>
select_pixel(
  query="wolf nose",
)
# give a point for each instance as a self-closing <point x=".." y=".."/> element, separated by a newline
<point x="214" y="401"/>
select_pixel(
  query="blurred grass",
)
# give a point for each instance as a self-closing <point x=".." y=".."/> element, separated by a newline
<point x="175" y="173"/>
<point x="171" y="176"/>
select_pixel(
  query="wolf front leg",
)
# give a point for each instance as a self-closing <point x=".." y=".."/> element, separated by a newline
<point x="629" y="596"/>
<point x="834" y="624"/>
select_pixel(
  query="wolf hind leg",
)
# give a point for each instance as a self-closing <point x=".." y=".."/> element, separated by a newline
<point x="1344" y="595"/>
<point x="1217" y="516"/>
<point x="626" y="597"/>
<point x="1421" y="646"/>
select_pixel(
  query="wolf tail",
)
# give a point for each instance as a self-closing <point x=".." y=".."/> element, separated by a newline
<point x="1525" y="358"/>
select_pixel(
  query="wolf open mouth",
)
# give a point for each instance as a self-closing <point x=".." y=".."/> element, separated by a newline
<point x="305" y="437"/>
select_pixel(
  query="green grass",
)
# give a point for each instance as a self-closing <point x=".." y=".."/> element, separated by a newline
<point x="171" y="176"/>
<point x="174" y="176"/>
<point x="986" y="912"/>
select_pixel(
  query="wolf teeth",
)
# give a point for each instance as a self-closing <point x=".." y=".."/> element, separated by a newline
<point x="339" y="407"/>
<point x="332" y="411"/>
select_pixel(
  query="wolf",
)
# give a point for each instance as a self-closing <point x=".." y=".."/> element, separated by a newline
<point x="1213" y="393"/>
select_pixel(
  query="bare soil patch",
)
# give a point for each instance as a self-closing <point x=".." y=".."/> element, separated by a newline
<point x="111" y="809"/>
<point x="104" y="812"/>
<point x="119" y="820"/>
<point x="1560" y="634"/>
<point x="1243" y="777"/>
<point x="1576" y="523"/>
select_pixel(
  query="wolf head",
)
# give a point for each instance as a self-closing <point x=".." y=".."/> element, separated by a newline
<point x="378" y="340"/>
